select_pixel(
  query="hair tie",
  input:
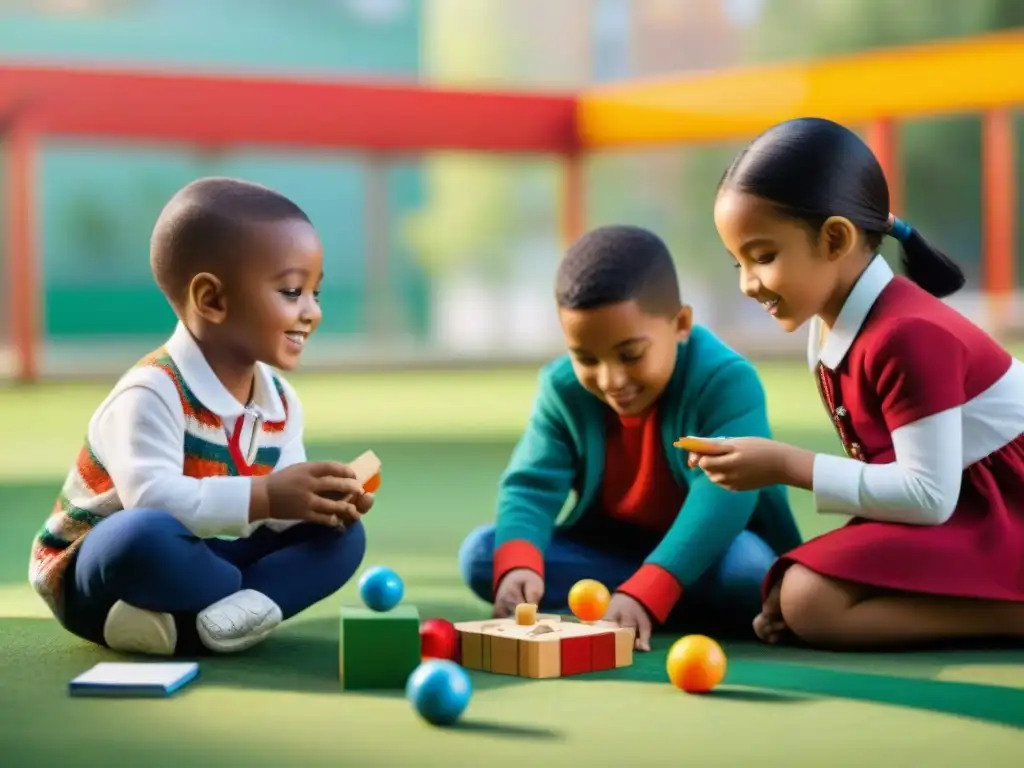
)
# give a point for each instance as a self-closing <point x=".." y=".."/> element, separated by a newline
<point x="898" y="228"/>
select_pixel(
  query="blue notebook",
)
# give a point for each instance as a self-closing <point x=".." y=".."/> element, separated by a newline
<point x="134" y="679"/>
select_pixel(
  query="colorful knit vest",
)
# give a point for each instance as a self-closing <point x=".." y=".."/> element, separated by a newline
<point x="89" y="495"/>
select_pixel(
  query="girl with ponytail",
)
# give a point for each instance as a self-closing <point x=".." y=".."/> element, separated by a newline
<point x="928" y="407"/>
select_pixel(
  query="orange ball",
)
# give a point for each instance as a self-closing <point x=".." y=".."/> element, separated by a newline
<point x="588" y="600"/>
<point x="373" y="484"/>
<point x="695" y="664"/>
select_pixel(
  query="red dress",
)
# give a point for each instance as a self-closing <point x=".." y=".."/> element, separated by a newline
<point x="898" y="356"/>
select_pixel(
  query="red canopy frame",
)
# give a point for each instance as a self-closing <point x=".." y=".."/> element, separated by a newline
<point x="968" y="75"/>
<point x="218" y="112"/>
<point x="209" y="110"/>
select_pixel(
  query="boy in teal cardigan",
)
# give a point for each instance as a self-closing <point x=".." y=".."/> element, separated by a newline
<point x="675" y="548"/>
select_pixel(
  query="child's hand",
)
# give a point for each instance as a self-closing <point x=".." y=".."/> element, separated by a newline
<point x="520" y="585"/>
<point x="627" y="612"/>
<point x="324" y="492"/>
<point x="363" y="502"/>
<point x="748" y="463"/>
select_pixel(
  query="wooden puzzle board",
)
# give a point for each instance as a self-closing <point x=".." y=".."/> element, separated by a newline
<point x="547" y="648"/>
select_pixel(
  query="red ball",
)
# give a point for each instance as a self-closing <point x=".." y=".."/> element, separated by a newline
<point x="439" y="640"/>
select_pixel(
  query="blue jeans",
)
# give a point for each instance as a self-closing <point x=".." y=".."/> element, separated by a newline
<point x="150" y="560"/>
<point x="723" y="601"/>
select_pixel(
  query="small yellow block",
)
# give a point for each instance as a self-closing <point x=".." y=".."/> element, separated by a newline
<point x="526" y="614"/>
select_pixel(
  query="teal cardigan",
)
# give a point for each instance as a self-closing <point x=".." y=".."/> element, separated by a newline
<point x="713" y="392"/>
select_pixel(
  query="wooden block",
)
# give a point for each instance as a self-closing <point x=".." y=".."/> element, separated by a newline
<point x="365" y="466"/>
<point x="378" y="651"/>
<point x="548" y="648"/>
<point x="625" y="637"/>
<point x="485" y="652"/>
<point x="701" y="445"/>
<point x="503" y="646"/>
<point x="576" y="654"/>
<point x="504" y="655"/>
<point x="541" y="657"/>
<point x="471" y="647"/>
<point x="602" y="652"/>
<point x="475" y="643"/>
<point x="526" y="614"/>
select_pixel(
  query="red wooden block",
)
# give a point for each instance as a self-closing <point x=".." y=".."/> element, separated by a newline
<point x="576" y="655"/>
<point x="602" y="652"/>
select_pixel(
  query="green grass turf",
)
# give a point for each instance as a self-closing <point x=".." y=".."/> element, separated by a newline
<point x="444" y="437"/>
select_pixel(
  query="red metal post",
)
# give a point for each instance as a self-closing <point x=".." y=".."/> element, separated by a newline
<point x="573" y="203"/>
<point x="23" y="297"/>
<point x="999" y="212"/>
<point x="883" y="138"/>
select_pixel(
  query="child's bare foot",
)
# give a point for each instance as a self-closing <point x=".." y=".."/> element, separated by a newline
<point x="769" y="625"/>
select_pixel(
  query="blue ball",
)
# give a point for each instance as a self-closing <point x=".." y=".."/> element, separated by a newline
<point x="381" y="589"/>
<point x="439" y="690"/>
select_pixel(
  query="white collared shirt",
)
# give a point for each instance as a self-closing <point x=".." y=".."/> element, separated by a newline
<point x="964" y="406"/>
<point x="922" y="487"/>
<point x="138" y="434"/>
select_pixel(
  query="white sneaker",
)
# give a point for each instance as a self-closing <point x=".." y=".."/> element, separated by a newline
<point x="133" y="630"/>
<point x="237" y="622"/>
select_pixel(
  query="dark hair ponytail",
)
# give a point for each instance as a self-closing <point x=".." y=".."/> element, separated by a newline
<point x="813" y="168"/>
<point x="929" y="267"/>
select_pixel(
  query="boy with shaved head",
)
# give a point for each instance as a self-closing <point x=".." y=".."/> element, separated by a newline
<point x="191" y="521"/>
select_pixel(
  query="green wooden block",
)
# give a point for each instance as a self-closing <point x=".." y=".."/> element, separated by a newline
<point x="378" y="651"/>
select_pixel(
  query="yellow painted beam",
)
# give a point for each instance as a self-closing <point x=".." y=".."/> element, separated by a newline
<point x="965" y="75"/>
